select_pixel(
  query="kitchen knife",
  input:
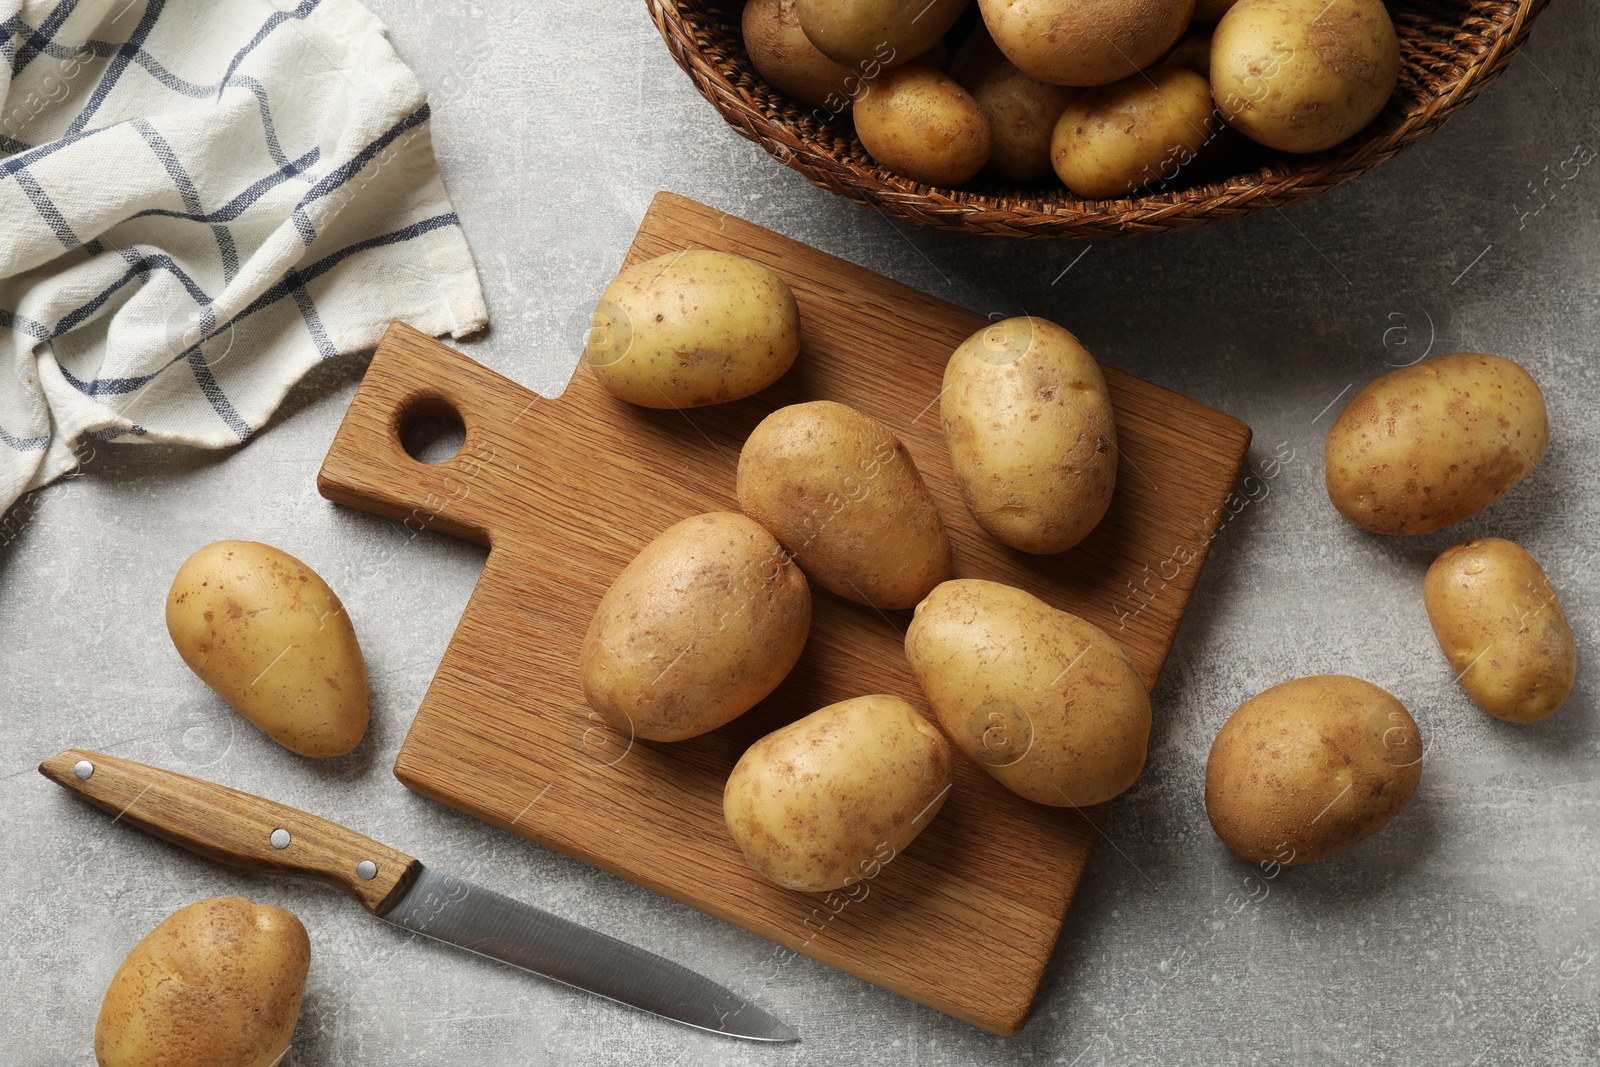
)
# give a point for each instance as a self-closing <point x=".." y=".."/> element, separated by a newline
<point x="254" y="834"/>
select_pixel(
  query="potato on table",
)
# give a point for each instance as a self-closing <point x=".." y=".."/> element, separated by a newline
<point x="697" y="630"/>
<point x="216" y="984"/>
<point x="1032" y="438"/>
<point x="831" y="799"/>
<point x="1048" y="703"/>
<point x="841" y="493"/>
<point x="1502" y="627"/>
<point x="693" y="328"/>
<point x="1426" y="446"/>
<point x="264" y="631"/>
<point x="1310" y="767"/>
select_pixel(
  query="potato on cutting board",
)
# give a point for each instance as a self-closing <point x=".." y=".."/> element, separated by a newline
<point x="1049" y="704"/>
<point x="692" y="328"/>
<point x="840" y="491"/>
<point x="264" y="631"/>
<point x="1502" y="627"/>
<point x="829" y="800"/>
<point x="216" y="984"/>
<point x="1028" y="420"/>
<point x="697" y="630"/>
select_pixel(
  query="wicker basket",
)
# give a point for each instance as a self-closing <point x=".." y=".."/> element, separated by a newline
<point x="1450" y="50"/>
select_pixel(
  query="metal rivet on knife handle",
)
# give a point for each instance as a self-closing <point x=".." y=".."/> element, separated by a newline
<point x="366" y="870"/>
<point x="280" y="838"/>
<point x="82" y="770"/>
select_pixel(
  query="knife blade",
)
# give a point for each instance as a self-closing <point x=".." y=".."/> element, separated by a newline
<point x="256" y="834"/>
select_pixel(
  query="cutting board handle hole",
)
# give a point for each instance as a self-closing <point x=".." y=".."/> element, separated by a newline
<point x="431" y="430"/>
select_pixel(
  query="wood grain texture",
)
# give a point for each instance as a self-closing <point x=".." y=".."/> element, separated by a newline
<point x="567" y="491"/>
<point x="235" y="827"/>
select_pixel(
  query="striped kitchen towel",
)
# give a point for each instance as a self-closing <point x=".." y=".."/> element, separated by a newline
<point x="199" y="200"/>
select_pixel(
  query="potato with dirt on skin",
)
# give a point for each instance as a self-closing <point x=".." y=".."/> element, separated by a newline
<point x="217" y="982"/>
<point x="873" y="35"/>
<point x="1139" y="132"/>
<point x="1310" y="767"/>
<point x="1303" y="75"/>
<point x="1049" y="704"/>
<point x="785" y="56"/>
<point x="832" y="798"/>
<point x="1085" y="42"/>
<point x="1429" y="445"/>
<point x="1031" y="434"/>
<point x="705" y="621"/>
<point x="1022" y="111"/>
<point x="267" y="634"/>
<point x="841" y="493"/>
<point x="1502" y="627"/>
<point x="918" y="122"/>
<point x="692" y="328"/>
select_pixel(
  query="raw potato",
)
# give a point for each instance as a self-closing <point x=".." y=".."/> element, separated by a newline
<point x="870" y="35"/>
<point x="1028" y="421"/>
<point x="264" y="631"/>
<point x="1428" y="445"/>
<point x="1085" y="42"/>
<point x="829" y="800"/>
<point x="841" y="493"/>
<point x="920" y="123"/>
<point x="697" y="630"/>
<point x="1049" y="704"/>
<point x="218" y="982"/>
<point x="1502" y="627"/>
<point x="1022" y="111"/>
<point x="1140" y="131"/>
<point x="693" y="328"/>
<point x="1303" y="75"/>
<point x="1310" y="767"/>
<point x="785" y="56"/>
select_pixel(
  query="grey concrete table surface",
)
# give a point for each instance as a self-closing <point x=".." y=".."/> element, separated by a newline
<point x="1465" y="933"/>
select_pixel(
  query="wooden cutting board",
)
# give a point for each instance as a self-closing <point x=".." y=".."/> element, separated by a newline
<point x="566" y="491"/>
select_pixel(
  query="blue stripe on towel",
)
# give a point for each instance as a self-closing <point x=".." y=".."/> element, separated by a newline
<point x="40" y="38"/>
<point x="355" y="166"/>
<point x="190" y="195"/>
<point x="292" y="281"/>
<point x="48" y="210"/>
<point x="277" y="19"/>
<point x="23" y="444"/>
<point x="237" y="206"/>
<point x="119" y="63"/>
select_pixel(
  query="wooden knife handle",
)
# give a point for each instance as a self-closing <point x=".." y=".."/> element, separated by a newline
<point x="236" y="828"/>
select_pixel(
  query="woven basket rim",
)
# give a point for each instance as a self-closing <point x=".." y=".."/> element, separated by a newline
<point x="1500" y="25"/>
